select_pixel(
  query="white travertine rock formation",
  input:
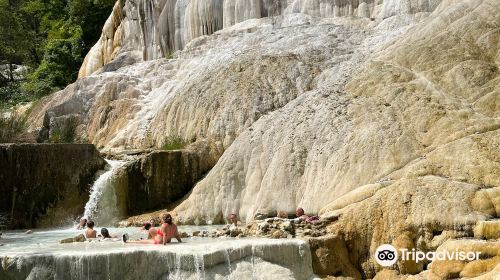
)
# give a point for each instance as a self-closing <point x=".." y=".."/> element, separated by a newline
<point x="398" y="109"/>
<point x="306" y="109"/>
<point x="228" y="259"/>
<point x="146" y="29"/>
<point x="392" y="124"/>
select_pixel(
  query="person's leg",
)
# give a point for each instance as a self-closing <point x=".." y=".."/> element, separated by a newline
<point x="144" y="241"/>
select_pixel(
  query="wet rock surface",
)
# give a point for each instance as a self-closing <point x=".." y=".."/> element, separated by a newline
<point x="79" y="238"/>
<point x="235" y="259"/>
<point x="158" y="178"/>
<point x="46" y="184"/>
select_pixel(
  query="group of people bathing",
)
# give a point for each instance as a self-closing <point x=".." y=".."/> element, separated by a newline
<point x="90" y="232"/>
<point x="167" y="230"/>
<point x="161" y="235"/>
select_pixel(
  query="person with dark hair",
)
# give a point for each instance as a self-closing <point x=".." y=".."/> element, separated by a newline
<point x="233" y="220"/>
<point x="299" y="213"/>
<point x="168" y="230"/>
<point x="90" y="232"/>
<point x="82" y="224"/>
<point x="163" y="235"/>
<point x="105" y="234"/>
<point x="149" y="229"/>
<point x="152" y="222"/>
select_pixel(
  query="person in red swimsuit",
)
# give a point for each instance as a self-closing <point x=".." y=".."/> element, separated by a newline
<point x="168" y="230"/>
<point x="164" y="234"/>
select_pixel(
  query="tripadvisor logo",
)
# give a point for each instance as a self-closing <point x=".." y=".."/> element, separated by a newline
<point x="387" y="255"/>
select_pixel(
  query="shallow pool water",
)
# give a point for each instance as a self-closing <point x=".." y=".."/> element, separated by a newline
<point x="47" y="241"/>
<point x="40" y="256"/>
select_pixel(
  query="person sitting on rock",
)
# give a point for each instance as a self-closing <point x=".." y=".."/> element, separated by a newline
<point x="299" y="214"/>
<point x="233" y="220"/>
<point x="168" y="230"/>
<point x="82" y="224"/>
<point x="90" y="232"/>
<point x="163" y="235"/>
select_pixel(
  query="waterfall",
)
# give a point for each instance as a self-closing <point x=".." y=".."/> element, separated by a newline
<point x="102" y="206"/>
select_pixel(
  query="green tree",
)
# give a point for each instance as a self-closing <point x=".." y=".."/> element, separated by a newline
<point x="50" y="36"/>
<point x="90" y="15"/>
<point x="69" y="29"/>
<point x="13" y="41"/>
<point x="58" y="68"/>
<point x="14" y="49"/>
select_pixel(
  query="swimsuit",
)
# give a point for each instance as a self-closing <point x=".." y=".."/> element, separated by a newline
<point x="170" y="233"/>
<point x="158" y="233"/>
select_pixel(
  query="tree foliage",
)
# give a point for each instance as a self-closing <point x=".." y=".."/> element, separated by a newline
<point x="51" y="37"/>
<point x="13" y="40"/>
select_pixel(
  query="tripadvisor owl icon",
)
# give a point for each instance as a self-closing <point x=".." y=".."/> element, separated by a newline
<point x="386" y="255"/>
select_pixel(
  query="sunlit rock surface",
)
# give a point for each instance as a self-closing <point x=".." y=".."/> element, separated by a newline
<point x="387" y="118"/>
<point x="485" y="268"/>
<point x="406" y="113"/>
<point x="307" y="109"/>
<point x="145" y="29"/>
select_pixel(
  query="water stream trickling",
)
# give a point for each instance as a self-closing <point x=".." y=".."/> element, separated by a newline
<point x="102" y="206"/>
<point x="40" y="256"/>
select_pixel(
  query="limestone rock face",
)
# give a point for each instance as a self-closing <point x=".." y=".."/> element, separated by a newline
<point x="209" y="91"/>
<point x="391" y="124"/>
<point x="487" y="229"/>
<point x="160" y="178"/>
<point x="487" y="265"/>
<point x="330" y="257"/>
<point x="395" y="122"/>
<point x="146" y="29"/>
<point x="318" y="112"/>
<point x="46" y="185"/>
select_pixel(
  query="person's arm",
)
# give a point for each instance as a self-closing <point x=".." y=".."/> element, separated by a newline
<point x="165" y="238"/>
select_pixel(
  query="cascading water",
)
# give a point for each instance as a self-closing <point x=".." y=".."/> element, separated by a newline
<point x="102" y="206"/>
<point x="40" y="256"/>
